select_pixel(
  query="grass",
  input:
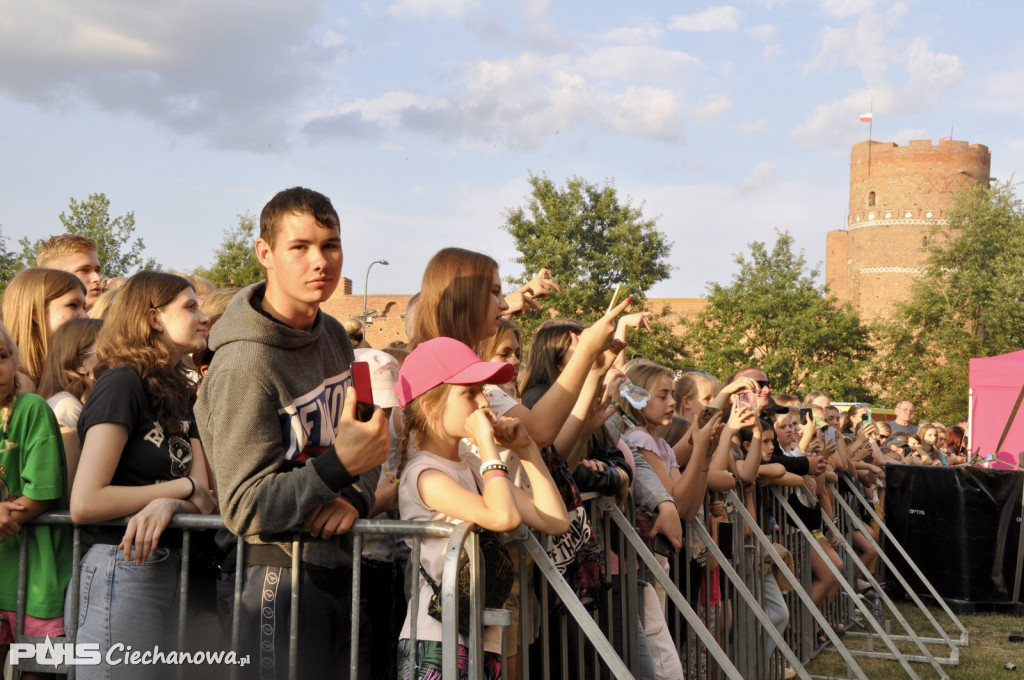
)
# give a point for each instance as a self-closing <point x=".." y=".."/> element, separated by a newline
<point x="982" y="659"/>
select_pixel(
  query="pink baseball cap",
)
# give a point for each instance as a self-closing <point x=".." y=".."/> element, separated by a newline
<point x="444" y="360"/>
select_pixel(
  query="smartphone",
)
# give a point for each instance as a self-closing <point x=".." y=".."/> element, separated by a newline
<point x="748" y="399"/>
<point x="725" y="540"/>
<point x="706" y="414"/>
<point x="364" y="390"/>
<point x="820" y="422"/>
<point x="867" y="417"/>
<point x="663" y="546"/>
<point x="805" y="415"/>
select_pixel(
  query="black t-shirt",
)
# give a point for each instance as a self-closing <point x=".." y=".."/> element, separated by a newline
<point x="149" y="456"/>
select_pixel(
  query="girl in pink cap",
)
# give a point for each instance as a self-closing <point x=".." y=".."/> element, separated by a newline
<point x="441" y="389"/>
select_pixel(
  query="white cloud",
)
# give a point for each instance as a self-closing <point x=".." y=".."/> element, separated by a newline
<point x="631" y="35"/>
<point x="1002" y="91"/>
<point x="724" y="18"/>
<point x="764" y="176"/>
<point x="753" y="126"/>
<point x="900" y="76"/>
<point x="845" y="8"/>
<point x="762" y="32"/>
<point x="424" y="8"/>
<point x="772" y="51"/>
<point x="534" y="8"/>
<point x="711" y="106"/>
<point x="930" y="75"/>
<point x="637" y="63"/>
<point x="200" y="71"/>
<point x="519" y="102"/>
<point x="649" y="112"/>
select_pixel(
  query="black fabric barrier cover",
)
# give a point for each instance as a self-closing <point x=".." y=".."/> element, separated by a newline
<point x="961" y="527"/>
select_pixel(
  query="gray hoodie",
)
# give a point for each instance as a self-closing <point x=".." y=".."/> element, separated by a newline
<point x="267" y="413"/>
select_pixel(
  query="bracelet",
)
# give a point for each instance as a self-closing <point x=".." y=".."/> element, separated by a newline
<point x="193" y="491"/>
<point x="494" y="471"/>
<point x="495" y="474"/>
<point x="493" y="465"/>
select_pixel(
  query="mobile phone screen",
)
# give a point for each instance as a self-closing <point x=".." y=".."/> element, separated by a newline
<point x="364" y="390"/>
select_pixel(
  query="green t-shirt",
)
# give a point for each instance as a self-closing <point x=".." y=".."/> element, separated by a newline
<point x="36" y="467"/>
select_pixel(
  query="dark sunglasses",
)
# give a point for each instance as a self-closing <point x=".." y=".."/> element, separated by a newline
<point x="764" y="383"/>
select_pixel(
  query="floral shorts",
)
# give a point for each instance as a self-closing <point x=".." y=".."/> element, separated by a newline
<point x="428" y="654"/>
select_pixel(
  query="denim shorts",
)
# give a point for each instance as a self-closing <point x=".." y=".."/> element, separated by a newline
<point x="132" y="604"/>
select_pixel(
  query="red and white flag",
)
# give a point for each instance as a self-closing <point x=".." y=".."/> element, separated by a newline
<point x="943" y="140"/>
<point x="866" y="117"/>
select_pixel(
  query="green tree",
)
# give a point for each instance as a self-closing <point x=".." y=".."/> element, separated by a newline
<point x="10" y="263"/>
<point x="115" y="249"/>
<point x="968" y="303"/>
<point x="775" y="315"/>
<point x="234" y="262"/>
<point x="592" y="242"/>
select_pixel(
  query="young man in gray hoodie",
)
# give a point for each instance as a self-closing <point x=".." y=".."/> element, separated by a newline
<point x="276" y="414"/>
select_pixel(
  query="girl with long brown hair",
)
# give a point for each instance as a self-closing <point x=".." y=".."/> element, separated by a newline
<point x="461" y="298"/>
<point x="141" y="456"/>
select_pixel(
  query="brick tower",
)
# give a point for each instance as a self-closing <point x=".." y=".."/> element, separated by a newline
<point x="896" y="194"/>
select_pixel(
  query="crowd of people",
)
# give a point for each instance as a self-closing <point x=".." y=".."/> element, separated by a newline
<point x="163" y="396"/>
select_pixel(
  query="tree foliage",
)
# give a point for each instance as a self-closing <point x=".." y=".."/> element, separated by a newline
<point x="591" y="241"/>
<point x="115" y="249"/>
<point x="235" y="262"/>
<point x="775" y="315"/>
<point x="10" y="263"/>
<point x="968" y="303"/>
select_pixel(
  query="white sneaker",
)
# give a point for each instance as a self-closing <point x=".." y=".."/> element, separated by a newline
<point x="789" y="673"/>
<point x="863" y="585"/>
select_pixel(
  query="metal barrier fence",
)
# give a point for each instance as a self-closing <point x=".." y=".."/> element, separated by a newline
<point x="584" y="639"/>
<point x="628" y="546"/>
<point x="459" y="537"/>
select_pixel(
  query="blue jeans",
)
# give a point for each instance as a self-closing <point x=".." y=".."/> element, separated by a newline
<point x="129" y="604"/>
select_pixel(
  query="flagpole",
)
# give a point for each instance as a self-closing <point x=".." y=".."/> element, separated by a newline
<point x="871" y="125"/>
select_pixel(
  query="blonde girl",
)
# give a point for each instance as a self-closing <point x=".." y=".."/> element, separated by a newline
<point x="441" y="390"/>
<point x="35" y="304"/>
<point x="33" y="479"/>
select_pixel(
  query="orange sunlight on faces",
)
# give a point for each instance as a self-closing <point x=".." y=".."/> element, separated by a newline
<point x="303" y="268"/>
<point x="181" y="324"/>
<point x="496" y="306"/>
<point x="87" y="268"/>
<point x="59" y="310"/>
<point x="662" y="404"/>
<point x="462" y="402"/>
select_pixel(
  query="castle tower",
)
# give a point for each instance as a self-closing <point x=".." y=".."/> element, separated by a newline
<point x="896" y="194"/>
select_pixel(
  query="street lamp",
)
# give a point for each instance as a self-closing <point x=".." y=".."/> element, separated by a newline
<point x="366" y="282"/>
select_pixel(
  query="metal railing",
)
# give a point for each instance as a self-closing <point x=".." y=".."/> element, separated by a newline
<point x="586" y="635"/>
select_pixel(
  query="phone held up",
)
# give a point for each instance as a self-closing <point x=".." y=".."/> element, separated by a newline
<point x="364" y="390"/>
<point x="706" y="414"/>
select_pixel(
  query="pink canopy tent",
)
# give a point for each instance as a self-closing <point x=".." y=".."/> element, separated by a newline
<point x="995" y="383"/>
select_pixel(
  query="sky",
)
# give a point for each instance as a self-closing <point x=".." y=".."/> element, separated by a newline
<point x="423" y="119"/>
